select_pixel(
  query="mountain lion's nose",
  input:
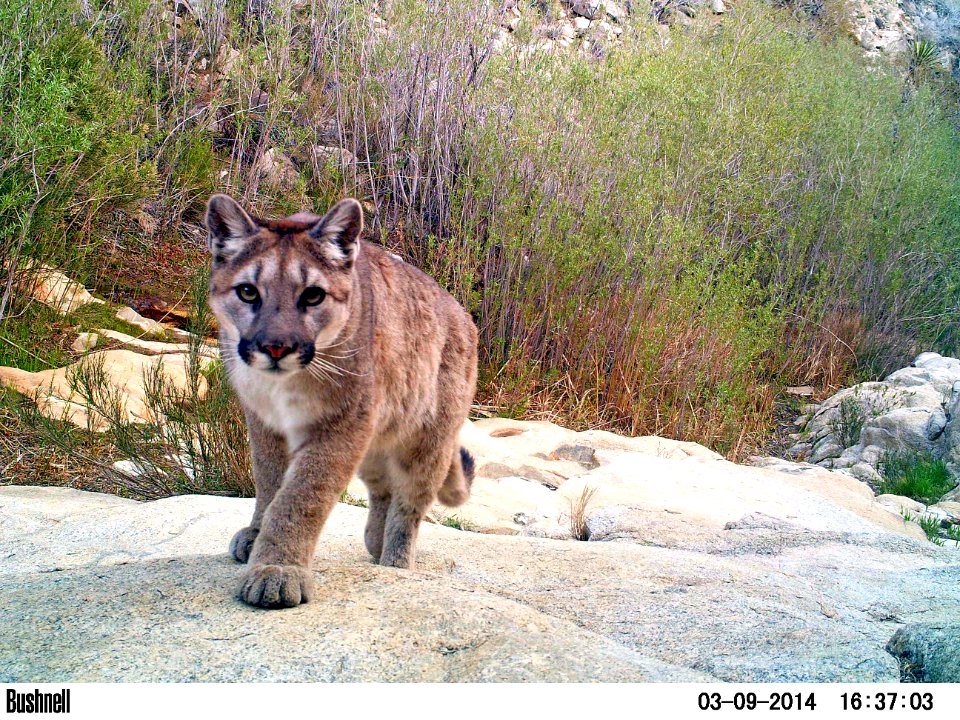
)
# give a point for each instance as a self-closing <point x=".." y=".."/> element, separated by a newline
<point x="276" y="351"/>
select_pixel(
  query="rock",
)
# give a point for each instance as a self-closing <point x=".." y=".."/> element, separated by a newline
<point x="718" y="8"/>
<point x="646" y="489"/>
<point x="867" y="473"/>
<point x="900" y="504"/>
<point x="848" y="458"/>
<point x="566" y="33"/>
<point x="163" y="312"/>
<point x="330" y="155"/>
<point x="913" y="410"/>
<point x="952" y="496"/>
<point x="228" y="60"/>
<point x="950" y="440"/>
<point x="903" y="429"/>
<point x="581" y="25"/>
<point x="153" y="347"/>
<point x="85" y="342"/>
<point x="277" y="169"/>
<point x="872" y="455"/>
<point x="585" y="8"/>
<point x="147" y="222"/>
<point x="150" y="327"/>
<point x="826" y="451"/>
<point x="52" y="288"/>
<point x="950" y="507"/>
<point x="153" y="589"/>
<point x="615" y="11"/>
<point x="927" y="652"/>
<point x="125" y="374"/>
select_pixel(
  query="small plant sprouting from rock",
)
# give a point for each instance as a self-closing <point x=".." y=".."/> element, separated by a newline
<point x="849" y="422"/>
<point x="915" y="475"/>
<point x="931" y="526"/>
<point x="923" y="58"/>
<point x="349" y="499"/>
<point x="578" y="514"/>
<point x="458" y="523"/>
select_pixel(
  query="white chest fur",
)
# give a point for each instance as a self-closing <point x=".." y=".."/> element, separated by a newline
<point x="279" y="402"/>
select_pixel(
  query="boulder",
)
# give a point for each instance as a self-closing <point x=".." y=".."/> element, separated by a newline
<point x="85" y="342"/>
<point x="913" y="410"/>
<point x="52" y="288"/>
<point x="332" y="155"/>
<point x="125" y="379"/>
<point x="927" y="652"/>
<point x="950" y="440"/>
<point x="154" y="347"/>
<point x="150" y="327"/>
<point x="585" y="8"/>
<point x="277" y="169"/>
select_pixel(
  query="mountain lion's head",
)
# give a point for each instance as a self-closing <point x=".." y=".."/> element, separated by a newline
<point x="281" y="288"/>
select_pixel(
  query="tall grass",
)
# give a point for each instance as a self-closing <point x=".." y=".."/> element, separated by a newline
<point x="652" y="242"/>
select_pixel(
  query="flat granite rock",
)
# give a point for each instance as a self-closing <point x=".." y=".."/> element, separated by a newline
<point x="94" y="588"/>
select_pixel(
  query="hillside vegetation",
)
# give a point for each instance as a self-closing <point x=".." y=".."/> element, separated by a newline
<point x="654" y="234"/>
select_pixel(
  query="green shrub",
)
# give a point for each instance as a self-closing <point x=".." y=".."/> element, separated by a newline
<point x="70" y="159"/>
<point x="915" y="475"/>
<point x="849" y="422"/>
<point x="655" y="241"/>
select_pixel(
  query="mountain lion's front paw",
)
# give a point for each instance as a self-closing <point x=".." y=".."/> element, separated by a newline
<point x="242" y="543"/>
<point x="275" y="586"/>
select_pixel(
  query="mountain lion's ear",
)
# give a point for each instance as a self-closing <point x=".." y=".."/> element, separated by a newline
<point x="338" y="232"/>
<point x="230" y="228"/>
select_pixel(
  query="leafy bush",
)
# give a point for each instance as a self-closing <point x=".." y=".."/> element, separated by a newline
<point x="69" y="157"/>
<point x="849" y="422"/>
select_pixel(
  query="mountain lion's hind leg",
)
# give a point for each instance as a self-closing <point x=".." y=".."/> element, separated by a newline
<point x="373" y="472"/>
<point x="420" y="472"/>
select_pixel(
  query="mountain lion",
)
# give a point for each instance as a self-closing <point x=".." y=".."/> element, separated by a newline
<point x="346" y="359"/>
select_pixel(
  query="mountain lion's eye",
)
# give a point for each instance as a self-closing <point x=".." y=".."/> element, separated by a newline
<point x="248" y="293"/>
<point x="312" y="296"/>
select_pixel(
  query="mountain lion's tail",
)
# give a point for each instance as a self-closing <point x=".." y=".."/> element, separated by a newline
<point x="456" y="488"/>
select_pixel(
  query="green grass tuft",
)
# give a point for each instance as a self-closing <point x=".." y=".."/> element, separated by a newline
<point x="931" y="526"/>
<point x="915" y="475"/>
<point x="458" y="523"/>
<point x="349" y="499"/>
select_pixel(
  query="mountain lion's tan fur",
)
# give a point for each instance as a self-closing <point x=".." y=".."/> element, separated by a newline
<point x="346" y="359"/>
